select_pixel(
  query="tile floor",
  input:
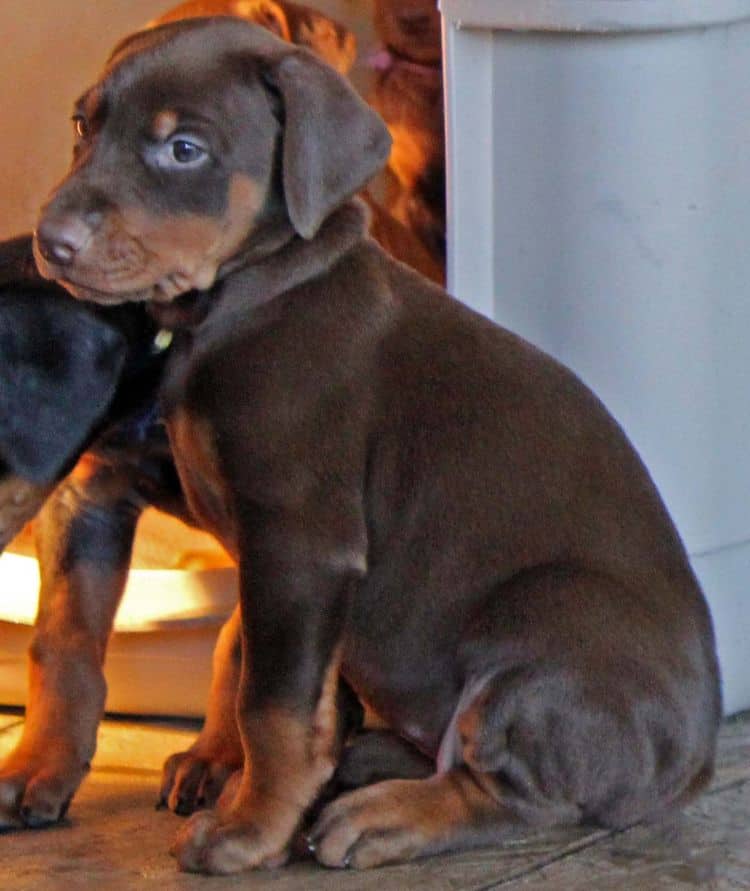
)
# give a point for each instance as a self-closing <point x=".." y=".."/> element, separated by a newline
<point x="114" y="840"/>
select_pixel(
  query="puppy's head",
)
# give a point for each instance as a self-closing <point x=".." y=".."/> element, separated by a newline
<point x="202" y="141"/>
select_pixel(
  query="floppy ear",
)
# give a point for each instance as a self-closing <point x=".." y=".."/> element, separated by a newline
<point x="59" y="369"/>
<point x="271" y="16"/>
<point x="333" y="141"/>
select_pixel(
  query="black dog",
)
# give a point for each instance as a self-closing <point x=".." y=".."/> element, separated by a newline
<point x="61" y="365"/>
<point x="74" y="376"/>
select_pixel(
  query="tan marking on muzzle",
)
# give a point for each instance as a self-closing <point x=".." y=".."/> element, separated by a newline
<point x="137" y="255"/>
<point x="189" y="249"/>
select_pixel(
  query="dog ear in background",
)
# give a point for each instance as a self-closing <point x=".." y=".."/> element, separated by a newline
<point x="333" y="142"/>
<point x="293" y="22"/>
<point x="331" y="41"/>
<point x="262" y="12"/>
<point x="408" y="93"/>
<point x="59" y="369"/>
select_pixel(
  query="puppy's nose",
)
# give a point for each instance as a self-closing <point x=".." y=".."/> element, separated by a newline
<point x="61" y="238"/>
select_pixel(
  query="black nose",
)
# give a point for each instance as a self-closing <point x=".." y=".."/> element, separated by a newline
<point x="61" y="238"/>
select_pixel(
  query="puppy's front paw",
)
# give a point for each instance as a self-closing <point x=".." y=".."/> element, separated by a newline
<point x="32" y="796"/>
<point x="191" y="781"/>
<point x="217" y="846"/>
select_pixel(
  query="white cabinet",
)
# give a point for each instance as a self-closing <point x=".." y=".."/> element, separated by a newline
<point x="599" y="205"/>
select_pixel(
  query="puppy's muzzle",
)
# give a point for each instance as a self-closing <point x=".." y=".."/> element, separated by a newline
<point x="60" y="238"/>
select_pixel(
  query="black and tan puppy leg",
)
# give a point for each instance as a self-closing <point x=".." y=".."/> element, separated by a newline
<point x="84" y="543"/>
<point x="294" y="591"/>
<point x="195" y="778"/>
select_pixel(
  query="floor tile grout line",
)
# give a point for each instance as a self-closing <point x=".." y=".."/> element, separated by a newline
<point x="590" y="842"/>
<point x="717" y="790"/>
<point x="574" y="848"/>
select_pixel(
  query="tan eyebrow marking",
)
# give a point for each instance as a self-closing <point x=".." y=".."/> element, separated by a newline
<point x="164" y="124"/>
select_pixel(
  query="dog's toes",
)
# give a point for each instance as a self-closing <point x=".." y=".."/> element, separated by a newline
<point x="32" y="803"/>
<point x="367" y="828"/>
<point x="45" y="801"/>
<point x="190" y="841"/>
<point x="190" y="783"/>
<point x="206" y="844"/>
<point x="34" y="794"/>
<point x="11" y="792"/>
<point x="183" y="799"/>
<point x="216" y="784"/>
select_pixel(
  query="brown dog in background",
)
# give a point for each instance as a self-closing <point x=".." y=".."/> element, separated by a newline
<point x="408" y="95"/>
<point x="420" y="502"/>
<point x="303" y="25"/>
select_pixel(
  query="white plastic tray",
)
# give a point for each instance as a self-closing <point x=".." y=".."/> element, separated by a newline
<point x="159" y="656"/>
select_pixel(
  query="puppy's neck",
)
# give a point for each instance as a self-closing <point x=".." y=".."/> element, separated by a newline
<point x="264" y="271"/>
<point x="253" y="284"/>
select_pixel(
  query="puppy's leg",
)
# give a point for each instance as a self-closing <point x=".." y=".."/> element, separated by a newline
<point x="567" y="715"/>
<point x="195" y="778"/>
<point x="84" y="543"/>
<point x="294" y="592"/>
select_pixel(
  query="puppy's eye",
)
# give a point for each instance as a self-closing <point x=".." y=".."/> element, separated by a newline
<point x="185" y="152"/>
<point x="179" y="153"/>
<point x="81" y="126"/>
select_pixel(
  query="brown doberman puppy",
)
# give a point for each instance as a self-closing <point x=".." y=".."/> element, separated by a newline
<point x="56" y="392"/>
<point x="420" y="502"/>
<point x="85" y="531"/>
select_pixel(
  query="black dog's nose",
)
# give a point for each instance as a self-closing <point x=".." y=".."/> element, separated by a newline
<point x="60" y="239"/>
